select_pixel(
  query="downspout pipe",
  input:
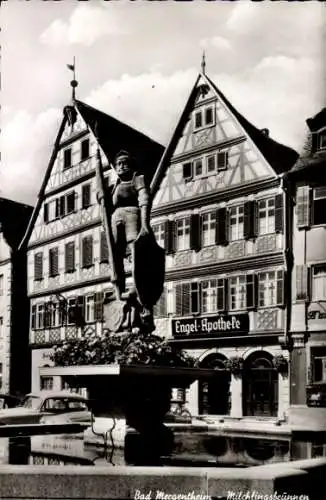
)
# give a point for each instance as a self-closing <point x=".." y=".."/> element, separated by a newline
<point x="288" y="208"/>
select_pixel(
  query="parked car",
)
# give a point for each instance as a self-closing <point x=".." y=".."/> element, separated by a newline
<point x="48" y="407"/>
<point x="8" y="401"/>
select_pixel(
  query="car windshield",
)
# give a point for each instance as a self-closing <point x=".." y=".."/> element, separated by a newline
<point x="33" y="402"/>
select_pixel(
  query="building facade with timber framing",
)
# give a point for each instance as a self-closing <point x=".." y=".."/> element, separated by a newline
<point x="14" y="308"/>
<point x="220" y="211"/>
<point x="67" y="254"/>
<point x="307" y="339"/>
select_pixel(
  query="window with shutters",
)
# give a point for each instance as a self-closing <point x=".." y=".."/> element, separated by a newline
<point x="87" y="251"/>
<point x="237" y="293"/>
<point x="86" y="195"/>
<point x="183" y="234"/>
<point x="302" y="282"/>
<point x="270" y="288"/>
<point x="187" y="298"/>
<point x="236" y="220"/>
<point x="160" y="308"/>
<point x="38" y="266"/>
<point x="204" y="117"/>
<point x="222" y="160"/>
<point x="209" y="291"/>
<point x="266" y="216"/>
<point x="159" y="231"/>
<point x="53" y="262"/>
<point x="33" y="318"/>
<point x="318" y="284"/>
<point x="71" y="310"/>
<point x="104" y="250"/>
<point x="67" y="158"/>
<point x="319" y="205"/>
<point x="302" y="207"/>
<point x="40" y="316"/>
<point x="208" y="228"/>
<point x="70" y="257"/>
<point x="84" y="151"/>
<point x="89" y="309"/>
<point x="211" y="163"/>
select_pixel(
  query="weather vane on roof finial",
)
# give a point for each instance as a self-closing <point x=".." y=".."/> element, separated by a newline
<point x="203" y="63"/>
<point x="73" y="82"/>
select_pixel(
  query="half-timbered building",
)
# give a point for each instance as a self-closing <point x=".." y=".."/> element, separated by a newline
<point x="219" y="211"/>
<point x="307" y="340"/>
<point x="14" y="307"/>
<point x="68" y="272"/>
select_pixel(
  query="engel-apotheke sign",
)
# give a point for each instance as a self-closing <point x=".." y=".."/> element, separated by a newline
<point x="211" y="325"/>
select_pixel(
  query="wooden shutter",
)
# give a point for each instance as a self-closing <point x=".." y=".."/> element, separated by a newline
<point x="222" y="160"/>
<point x="62" y="206"/>
<point x="279" y="222"/>
<point x="251" y="290"/>
<point x="104" y="251"/>
<point x="178" y="299"/>
<point x="38" y="266"/>
<point x="87" y="250"/>
<point x="80" y="311"/>
<point x="280" y="288"/>
<point x="33" y="318"/>
<point x="250" y="225"/>
<point x="53" y="262"/>
<point x="46" y="213"/>
<point x="86" y="195"/>
<point x="98" y="306"/>
<point x="195" y="232"/>
<point x="302" y="282"/>
<point x="222" y="294"/>
<point x="70" y="257"/>
<point x="57" y="208"/>
<point x="221" y="234"/>
<point x="187" y="172"/>
<point x="160" y="309"/>
<point x="185" y="299"/>
<point x="169" y="236"/>
<point x="302" y="208"/>
<point x="194" y="297"/>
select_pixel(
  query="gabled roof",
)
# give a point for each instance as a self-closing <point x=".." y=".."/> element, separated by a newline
<point x="113" y="136"/>
<point x="318" y="121"/>
<point x="281" y="158"/>
<point x="14" y="218"/>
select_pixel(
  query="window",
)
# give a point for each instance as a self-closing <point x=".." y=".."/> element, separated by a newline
<point x="89" y="309"/>
<point x="38" y="266"/>
<point x="67" y="158"/>
<point x="46" y="383"/>
<point x="39" y="316"/>
<point x="209" y="118"/>
<point x="236" y="223"/>
<point x="302" y="206"/>
<point x="84" y="154"/>
<point x="270" y="288"/>
<point x="70" y="203"/>
<point x="70" y="257"/>
<point x="237" y="295"/>
<point x="53" y="262"/>
<point x="198" y="119"/>
<point x="318" y="355"/>
<point x="86" y="195"/>
<point x="198" y="167"/>
<point x="187" y="298"/>
<point x="319" y="282"/>
<point x="159" y="231"/>
<point x="53" y="314"/>
<point x="211" y="163"/>
<point x="87" y="251"/>
<point x="71" y="311"/>
<point x="319" y="205"/>
<point x="266" y="216"/>
<point x="204" y="117"/>
<point x="322" y="139"/>
<point x="160" y="308"/>
<point x="104" y="250"/>
<point x="208" y="228"/>
<point x="209" y="296"/>
<point x="183" y="234"/>
<point x="222" y="160"/>
<point x="1" y="284"/>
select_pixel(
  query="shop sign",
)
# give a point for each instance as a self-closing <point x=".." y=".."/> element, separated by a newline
<point x="203" y="326"/>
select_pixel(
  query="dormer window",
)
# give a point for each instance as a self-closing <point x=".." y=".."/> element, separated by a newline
<point x="322" y="139"/>
<point x="67" y="158"/>
<point x="84" y="153"/>
<point x="204" y="117"/>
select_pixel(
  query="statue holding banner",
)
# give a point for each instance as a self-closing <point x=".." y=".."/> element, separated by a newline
<point x="126" y="208"/>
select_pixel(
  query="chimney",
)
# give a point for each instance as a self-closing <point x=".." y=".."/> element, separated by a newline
<point x="265" y="131"/>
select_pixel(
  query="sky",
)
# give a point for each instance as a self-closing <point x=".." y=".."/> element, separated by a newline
<point x="138" y="60"/>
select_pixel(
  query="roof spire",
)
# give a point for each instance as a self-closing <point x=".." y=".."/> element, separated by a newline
<point x="203" y="63"/>
<point x="73" y="82"/>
